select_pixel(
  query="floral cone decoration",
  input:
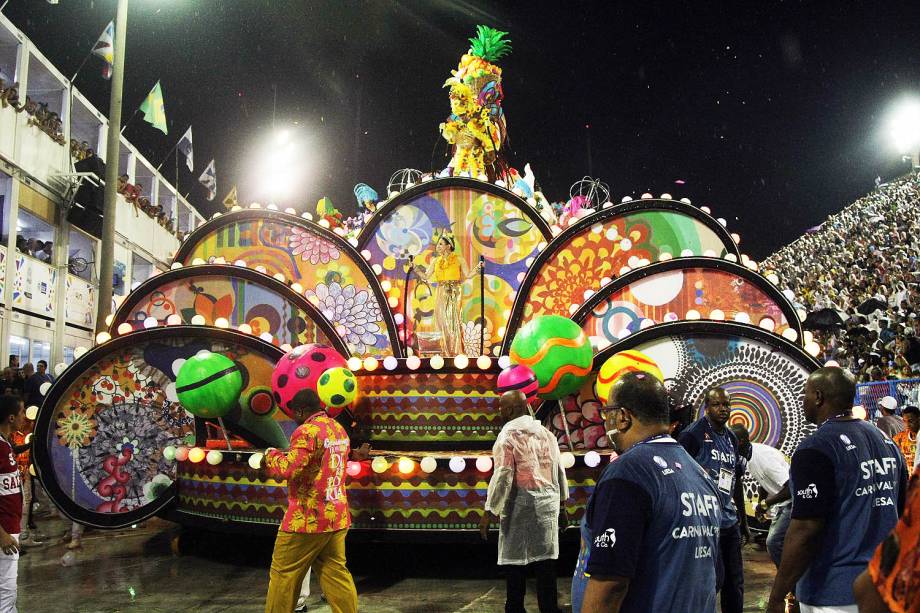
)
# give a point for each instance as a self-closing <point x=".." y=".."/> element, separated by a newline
<point x="476" y="127"/>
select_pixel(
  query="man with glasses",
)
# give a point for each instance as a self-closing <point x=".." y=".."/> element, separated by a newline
<point x="650" y="531"/>
<point x="715" y="448"/>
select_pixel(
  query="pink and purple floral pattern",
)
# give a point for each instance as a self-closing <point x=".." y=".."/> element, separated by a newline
<point x="311" y="248"/>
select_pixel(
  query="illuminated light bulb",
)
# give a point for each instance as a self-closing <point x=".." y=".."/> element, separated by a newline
<point x="646" y="196"/>
<point x="483" y="464"/>
<point x="555" y="230"/>
<point x="245" y="328"/>
<point x="220" y="260"/>
<point x="813" y="349"/>
<point x="457" y="464"/>
<point x="808" y="336"/>
<point x="196" y="454"/>
<point x="483" y="362"/>
<point x="685" y="200"/>
<point x="267" y="337"/>
<point x="832" y="364"/>
<point x="626" y="244"/>
<point x="428" y="464"/>
<point x="370" y="364"/>
<point x="198" y="320"/>
<point x="353" y="241"/>
<point x="255" y="460"/>
<point x="181" y="453"/>
<point x="399" y="319"/>
<point x="44" y="387"/>
<point x="378" y="269"/>
<point x="175" y="266"/>
<point x="286" y="347"/>
<point x="385" y="285"/>
<point x="801" y="314"/>
<point x="646" y="323"/>
<point x="413" y="362"/>
<point x="666" y="196"/>
<point x="125" y="328"/>
<point x="568" y="459"/>
<point x="664" y="257"/>
<point x="255" y="205"/>
<point x="197" y="262"/>
<point x="272" y="207"/>
<point x="624" y="270"/>
<point x="612" y="233"/>
<point x="366" y="254"/>
<point x="624" y="333"/>
<point x="103" y="337"/>
<point x="706" y="210"/>
<point x="109" y="319"/>
<point x="736" y="237"/>
<point x="290" y="211"/>
<point x="297" y="287"/>
<point x="278" y="277"/>
<point x="222" y="322"/>
<point x="379" y="464"/>
<point x="692" y="314"/>
<point x="644" y="262"/>
<point x="405" y="466"/>
<point x="501" y="331"/>
<point x="59" y="369"/>
<point x="79" y="352"/>
<point x="742" y="318"/>
<point x="261" y="269"/>
<point x="671" y="316"/>
<point x="772" y="278"/>
<point x="573" y="308"/>
<point x="626" y="199"/>
<point x="390" y="363"/>
<point x="541" y="245"/>
<point x="767" y="324"/>
<point x="214" y="457"/>
<point x="324" y="223"/>
<point x="169" y="453"/>
<point x="686" y="253"/>
<point x="32" y="413"/>
<point x="592" y="459"/>
<point x="597" y="228"/>
<point x="790" y="335"/>
<point x="731" y="257"/>
<point x="235" y="208"/>
<point x="722" y="221"/>
<point x="633" y="261"/>
<point x="240" y="263"/>
<point x="354" y="363"/>
<point x="353" y="468"/>
<point x="717" y="315"/>
<point x="437" y="362"/>
<point x="709" y="253"/>
<point x="504" y="361"/>
<point x="461" y="361"/>
<point x="393" y="301"/>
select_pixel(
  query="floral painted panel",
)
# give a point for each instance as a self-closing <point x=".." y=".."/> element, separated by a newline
<point x="331" y="279"/>
<point x="601" y="251"/>
<point x="672" y="295"/>
<point x="239" y="301"/>
<point x="483" y="225"/>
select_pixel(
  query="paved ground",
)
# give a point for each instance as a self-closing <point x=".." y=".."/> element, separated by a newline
<point x="136" y="570"/>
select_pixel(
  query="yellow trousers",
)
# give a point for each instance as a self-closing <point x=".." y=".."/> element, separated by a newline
<point x="294" y="554"/>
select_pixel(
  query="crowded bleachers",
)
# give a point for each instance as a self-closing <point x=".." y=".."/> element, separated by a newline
<point x="863" y="262"/>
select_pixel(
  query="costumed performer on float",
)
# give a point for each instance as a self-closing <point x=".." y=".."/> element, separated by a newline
<point x="449" y="272"/>
<point x="476" y="127"/>
<point x="317" y="519"/>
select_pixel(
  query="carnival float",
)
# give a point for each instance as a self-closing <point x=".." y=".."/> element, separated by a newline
<point x="410" y="320"/>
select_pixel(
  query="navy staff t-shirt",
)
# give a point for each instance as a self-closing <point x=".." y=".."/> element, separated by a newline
<point x="854" y="477"/>
<point x="717" y="453"/>
<point x="653" y="518"/>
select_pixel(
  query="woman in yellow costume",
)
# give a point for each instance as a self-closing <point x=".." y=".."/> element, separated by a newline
<point x="449" y="272"/>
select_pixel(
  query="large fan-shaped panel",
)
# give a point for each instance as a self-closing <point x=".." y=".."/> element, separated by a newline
<point x="100" y="434"/>
<point x="487" y="221"/>
<point x="684" y="289"/>
<point x="331" y="272"/>
<point x="597" y="248"/>
<point x="239" y="295"/>
<point x="763" y="373"/>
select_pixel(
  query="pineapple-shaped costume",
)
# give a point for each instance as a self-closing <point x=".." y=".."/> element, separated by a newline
<point x="476" y="126"/>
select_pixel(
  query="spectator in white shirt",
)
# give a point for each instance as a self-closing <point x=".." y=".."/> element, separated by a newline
<point x="770" y="469"/>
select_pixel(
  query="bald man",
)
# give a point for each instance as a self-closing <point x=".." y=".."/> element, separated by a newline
<point x="527" y="492"/>
<point x="848" y="482"/>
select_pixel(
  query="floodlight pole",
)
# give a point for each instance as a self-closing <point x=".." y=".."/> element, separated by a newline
<point x="113" y="145"/>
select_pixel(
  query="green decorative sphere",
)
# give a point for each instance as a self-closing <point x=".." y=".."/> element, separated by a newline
<point x="209" y="385"/>
<point x="557" y="350"/>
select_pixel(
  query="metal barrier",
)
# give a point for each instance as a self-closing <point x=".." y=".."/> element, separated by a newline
<point x="906" y="391"/>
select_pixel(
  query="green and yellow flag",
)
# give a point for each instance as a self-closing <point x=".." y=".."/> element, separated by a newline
<point x="154" y="112"/>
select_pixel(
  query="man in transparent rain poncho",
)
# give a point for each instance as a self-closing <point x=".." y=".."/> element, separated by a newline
<point x="527" y="491"/>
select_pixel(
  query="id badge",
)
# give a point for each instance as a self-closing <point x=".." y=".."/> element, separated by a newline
<point x="725" y="480"/>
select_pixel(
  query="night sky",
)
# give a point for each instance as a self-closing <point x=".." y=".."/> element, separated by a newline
<point x="771" y="114"/>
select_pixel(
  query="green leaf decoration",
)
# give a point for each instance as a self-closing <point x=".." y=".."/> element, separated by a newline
<point x="489" y="44"/>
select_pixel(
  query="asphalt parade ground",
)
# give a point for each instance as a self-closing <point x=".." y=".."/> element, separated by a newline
<point x="149" y="569"/>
